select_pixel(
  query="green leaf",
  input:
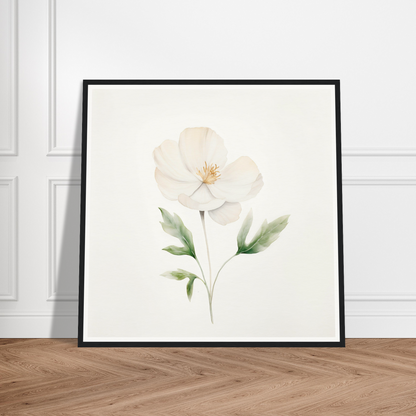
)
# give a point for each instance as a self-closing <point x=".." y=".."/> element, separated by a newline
<point x="190" y="288"/>
<point x="245" y="228"/>
<point x="267" y="234"/>
<point x="174" y="226"/>
<point x="174" y="275"/>
<point x="181" y="274"/>
<point x="177" y="251"/>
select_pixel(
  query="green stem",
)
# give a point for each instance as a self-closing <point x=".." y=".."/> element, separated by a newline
<point x="206" y="286"/>
<point x="203" y="281"/>
<point x="202" y="215"/>
<point x="210" y="308"/>
<point x="216" y="277"/>
<point x="200" y="268"/>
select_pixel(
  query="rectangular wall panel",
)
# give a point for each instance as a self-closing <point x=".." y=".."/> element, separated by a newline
<point x="8" y="239"/>
<point x="63" y="238"/>
<point x="8" y="69"/>
<point x="64" y="141"/>
<point x="380" y="236"/>
<point x="379" y="241"/>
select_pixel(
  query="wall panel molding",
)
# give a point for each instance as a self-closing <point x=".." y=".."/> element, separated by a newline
<point x="11" y="149"/>
<point x="381" y="314"/>
<point x="384" y="297"/>
<point x="379" y="151"/>
<point x="11" y="185"/>
<point x="53" y="148"/>
<point x="378" y="180"/>
<point x="372" y="304"/>
<point x="53" y="293"/>
<point x="35" y="314"/>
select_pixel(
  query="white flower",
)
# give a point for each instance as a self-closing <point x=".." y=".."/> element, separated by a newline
<point x="194" y="172"/>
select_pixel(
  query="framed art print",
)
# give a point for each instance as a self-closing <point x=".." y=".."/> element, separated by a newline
<point x="211" y="214"/>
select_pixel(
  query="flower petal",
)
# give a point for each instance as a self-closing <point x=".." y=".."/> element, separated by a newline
<point x="200" y="145"/>
<point x="201" y="199"/>
<point x="229" y="212"/>
<point x="172" y="188"/>
<point x="255" y="189"/>
<point x="202" y="195"/>
<point x="169" y="162"/>
<point x="236" y="180"/>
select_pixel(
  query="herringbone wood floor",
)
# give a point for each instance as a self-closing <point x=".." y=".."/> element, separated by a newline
<point x="54" y="377"/>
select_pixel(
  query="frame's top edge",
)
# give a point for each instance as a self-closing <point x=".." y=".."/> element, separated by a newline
<point x="211" y="81"/>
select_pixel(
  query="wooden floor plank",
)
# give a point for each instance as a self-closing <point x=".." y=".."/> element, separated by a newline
<point x="41" y="377"/>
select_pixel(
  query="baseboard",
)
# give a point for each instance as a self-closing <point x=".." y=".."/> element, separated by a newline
<point x="397" y="325"/>
<point x="388" y="325"/>
<point x="39" y="326"/>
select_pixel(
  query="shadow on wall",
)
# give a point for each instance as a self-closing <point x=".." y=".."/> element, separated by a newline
<point x="65" y="231"/>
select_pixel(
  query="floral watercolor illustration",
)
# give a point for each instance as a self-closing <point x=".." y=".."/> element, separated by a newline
<point x="195" y="172"/>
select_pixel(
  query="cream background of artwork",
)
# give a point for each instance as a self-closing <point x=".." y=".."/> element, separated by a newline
<point x="288" y="292"/>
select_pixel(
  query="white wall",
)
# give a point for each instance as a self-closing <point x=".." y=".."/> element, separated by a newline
<point x="49" y="46"/>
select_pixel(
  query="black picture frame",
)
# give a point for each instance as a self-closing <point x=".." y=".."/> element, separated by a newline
<point x="87" y="185"/>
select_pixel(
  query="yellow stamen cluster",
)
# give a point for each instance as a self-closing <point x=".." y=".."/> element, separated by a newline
<point x="209" y="174"/>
